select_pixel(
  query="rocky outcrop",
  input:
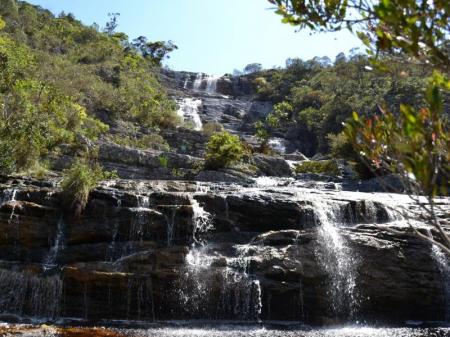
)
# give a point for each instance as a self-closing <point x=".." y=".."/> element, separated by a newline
<point x="161" y="250"/>
<point x="272" y="166"/>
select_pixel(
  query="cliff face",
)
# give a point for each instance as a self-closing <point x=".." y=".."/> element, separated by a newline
<point x="165" y="250"/>
<point x="233" y="102"/>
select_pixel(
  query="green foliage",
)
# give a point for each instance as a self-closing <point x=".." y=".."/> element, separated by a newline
<point x="318" y="98"/>
<point x="414" y="144"/>
<point x="211" y="128"/>
<point x="155" y="51"/>
<point x="342" y="148"/>
<point x="417" y="28"/>
<point x="223" y="149"/>
<point x="328" y="167"/>
<point x="163" y="161"/>
<point x="263" y="135"/>
<point x="56" y="75"/>
<point x="152" y="141"/>
<point x="279" y="114"/>
<point x="79" y="180"/>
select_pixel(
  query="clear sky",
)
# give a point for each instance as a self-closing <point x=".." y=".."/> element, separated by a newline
<point x="213" y="36"/>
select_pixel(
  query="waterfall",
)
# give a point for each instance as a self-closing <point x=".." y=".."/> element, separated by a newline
<point x="278" y="144"/>
<point x="245" y="287"/>
<point x="8" y="195"/>
<point x="189" y="110"/>
<point x="27" y="294"/>
<point x="201" y="220"/>
<point x="337" y="259"/>
<point x="170" y="221"/>
<point x="57" y="245"/>
<point x="198" y="82"/>
<point x="211" y="84"/>
<point x="443" y="263"/>
<point x="240" y="293"/>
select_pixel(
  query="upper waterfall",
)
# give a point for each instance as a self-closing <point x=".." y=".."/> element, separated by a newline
<point x="205" y="83"/>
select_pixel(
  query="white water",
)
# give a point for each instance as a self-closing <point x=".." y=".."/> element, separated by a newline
<point x="337" y="259"/>
<point x="189" y="110"/>
<point x="278" y="144"/>
<point x="26" y="294"/>
<point x="198" y="82"/>
<point x="240" y="295"/>
<point x="57" y="245"/>
<point x="9" y="195"/>
<point x="209" y="87"/>
<point x="211" y="84"/>
<point x="170" y="221"/>
<point x="443" y="264"/>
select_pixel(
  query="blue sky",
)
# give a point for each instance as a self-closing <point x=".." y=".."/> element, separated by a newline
<point x="213" y="36"/>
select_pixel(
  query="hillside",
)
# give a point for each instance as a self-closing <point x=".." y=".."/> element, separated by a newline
<point x="136" y="200"/>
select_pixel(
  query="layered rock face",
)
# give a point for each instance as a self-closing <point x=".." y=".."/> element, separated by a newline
<point x="166" y="250"/>
<point x="232" y="101"/>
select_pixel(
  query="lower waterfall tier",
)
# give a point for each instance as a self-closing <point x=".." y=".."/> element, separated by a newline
<point x="158" y="251"/>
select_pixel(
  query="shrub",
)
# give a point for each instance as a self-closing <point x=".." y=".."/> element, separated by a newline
<point x="163" y="161"/>
<point x="328" y="167"/>
<point x="79" y="180"/>
<point x="341" y="148"/>
<point x="211" y="128"/>
<point x="152" y="141"/>
<point x="223" y="149"/>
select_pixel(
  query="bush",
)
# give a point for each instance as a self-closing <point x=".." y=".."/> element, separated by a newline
<point x="211" y="128"/>
<point x="223" y="149"/>
<point x="163" y="161"/>
<point x="152" y="141"/>
<point x="79" y="180"/>
<point x="328" y="167"/>
<point x="341" y="148"/>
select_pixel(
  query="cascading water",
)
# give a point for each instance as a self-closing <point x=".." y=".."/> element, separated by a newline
<point x="278" y="144"/>
<point x="27" y="294"/>
<point x="205" y="83"/>
<point x="240" y="295"/>
<point x="211" y="84"/>
<point x="443" y="263"/>
<point x="8" y="195"/>
<point x="337" y="259"/>
<point x="198" y="82"/>
<point x="57" y="245"/>
<point x="170" y="221"/>
<point x="189" y="110"/>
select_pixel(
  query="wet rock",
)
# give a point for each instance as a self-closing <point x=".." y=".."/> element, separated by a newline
<point x="272" y="166"/>
<point x="131" y="255"/>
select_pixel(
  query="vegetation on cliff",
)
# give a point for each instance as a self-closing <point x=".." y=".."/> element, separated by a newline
<point x="409" y="138"/>
<point x="223" y="149"/>
<point x="60" y="80"/>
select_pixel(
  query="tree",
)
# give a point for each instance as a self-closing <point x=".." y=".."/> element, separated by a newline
<point x="156" y="51"/>
<point x="416" y="28"/>
<point x="413" y="144"/>
<point x="253" y="68"/>
<point x="112" y="24"/>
